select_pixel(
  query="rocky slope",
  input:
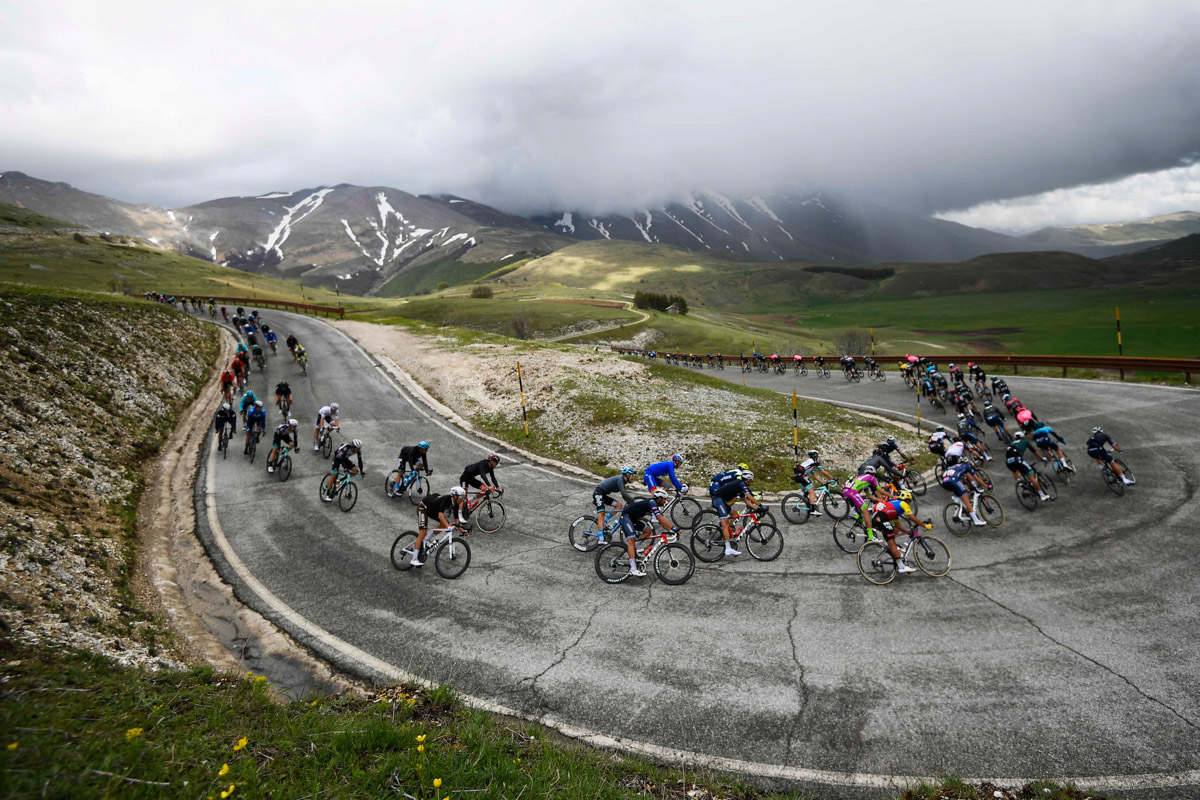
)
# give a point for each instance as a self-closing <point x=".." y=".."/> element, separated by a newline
<point x="92" y="387"/>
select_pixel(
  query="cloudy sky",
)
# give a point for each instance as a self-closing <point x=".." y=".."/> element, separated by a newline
<point x="1007" y="115"/>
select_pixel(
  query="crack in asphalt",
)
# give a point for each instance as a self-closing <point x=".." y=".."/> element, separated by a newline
<point x="1084" y="656"/>
<point x="533" y="679"/>
<point x="804" y="691"/>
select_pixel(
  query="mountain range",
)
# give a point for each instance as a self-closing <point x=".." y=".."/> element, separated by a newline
<point x="362" y="237"/>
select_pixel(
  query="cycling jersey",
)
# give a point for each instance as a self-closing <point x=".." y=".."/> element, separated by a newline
<point x="633" y="516"/>
<point x="291" y="341"/>
<point x="994" y="417"/>
<point x="282" y="389"/>
<point x="473" y="475"/>
<point x="248" y="400"/>
<point x="1042" y="435"/>
<point x="724" y="492"/>
<point x="802" y="473"/>
<point x="953" y="477"/>
<point x="283" y="435"/>
<point x="937" y="443"/>
<point x="257" y="418"/>
<point x="223" y="418"/>
<point x="1095" y="446"/>
<point x="656" y="473"/>
<point x="328" y="414"/>
<point x="1024" y="416"/>
<point x="873" y="462"/>
<point x="226" y="378"/>
<point x="435" y="505"/>
<point x="341" y="458"/>
<point x="602" y="495"/>
<point x="238" y="367"/>
<point x="863" y="483"/>
<point x="413" y="456"/>
<point x="1014" y="456"/>
<point x="955" y="450"/>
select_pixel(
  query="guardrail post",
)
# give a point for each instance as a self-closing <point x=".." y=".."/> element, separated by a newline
<point x="1122" y="374"/>
<point x="1064" y="372"/>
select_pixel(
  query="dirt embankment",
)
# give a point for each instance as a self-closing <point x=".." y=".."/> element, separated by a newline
<point x="92" y="389"/>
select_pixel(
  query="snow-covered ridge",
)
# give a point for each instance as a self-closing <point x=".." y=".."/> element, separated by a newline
<point x="306" y="206"/>
<point x="566" y="222"/>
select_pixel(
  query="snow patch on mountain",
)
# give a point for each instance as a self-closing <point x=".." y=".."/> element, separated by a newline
<point x="306" y="206"/>
<point x="566" y="222"/>
<point x="644" y="229"/>
<point x="454" y="238"/>
<point x="679" y="222"/>
<point x="726" y="205"/>
<point x="599" y="227"/>
<point x="761" y="205"/>
<point x="696" y="206"/>
<point x="274" y="195"/>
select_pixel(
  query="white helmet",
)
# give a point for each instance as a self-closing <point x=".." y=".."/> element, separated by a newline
<point x="293" y="422"/>
<point x="659" y="493"/>
<point x="747" y="475"/>
<point x="334" y="406"/>
<point x="356" y="444"/>
<point x="458" y="491"/>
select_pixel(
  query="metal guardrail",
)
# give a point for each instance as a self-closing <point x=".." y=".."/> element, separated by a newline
<point x="260" y="302"/>
<point x="1122" y="364"/>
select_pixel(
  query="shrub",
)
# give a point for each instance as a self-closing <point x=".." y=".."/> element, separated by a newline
<point x="443" y="285"/>
<point x="79" y="237"/>
<point x="853" y="342"/>
<point x="482" y="291"/>
<point x="520" y="325"/>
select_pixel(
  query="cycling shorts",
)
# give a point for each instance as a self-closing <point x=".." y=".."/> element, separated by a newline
<point x="1044" y="442"/>
<point x="629" y="529"/>
<point x="888" y="529"/>
<point x="721" y="506"/>
<point x="470" y="480"/>
<point x="602" y="500"/>
<point x="970" y="437"/>
<point x="279" y="439"/>
<point x="1100" y="453"/>
<point x="422" y="518"/>
<point x="954" y="485"/>
<point x="1018" y="465"/>
<point x="853" y="498"/>
<point x="995" y="419"/>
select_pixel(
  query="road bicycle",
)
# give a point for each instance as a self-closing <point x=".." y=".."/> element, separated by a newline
<point x="877" y="374"/>
<point x="410" y="482"/>
<point x="795" y="505"/>
<point x="285" y="405"/>
<point x="763" y="540"/>
<point x="981" y="389"/>
<point x="911" y="479"/>
<point x="854" y="375"/>
<point x="959" y="522"/>
<point x="585" y="535"/>
<point x="223" y="441"/>
<point x="261" y="361"/>
<point x="451" y="554"/>
<point x="491" y="512"/>
<point x="282" y="463"/>
<point x="252" y="447"/>
<point x="1028" y="496"/>
<point x="344" y="490"/>
<point x="302" y="360"/>
<point x="325" y="439"/>
<point x="821" y="372"/>
<point x="801" y="370"/>
<point x="1112" y="480"/>
<point x="709" y="515"/>
<point x="930" y="554"/>
<point x="1063" y="468"/>
<point x="682" y="510"/>
<point x="673" y="563"/>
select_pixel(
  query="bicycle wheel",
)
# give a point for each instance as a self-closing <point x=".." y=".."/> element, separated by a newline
<point x="1026" y="494"/>
<point x="932" y="555"/>
<point x="584" y="534"/>
<point x="223" y="445"/>
<point x="253" y="447"/>
<point x="348" y="496"/>
<point x="991" y="510"/>
<point x="876" y="563"/>
<point x="849" y="535"/>
<point x="708" y="543"/>
<point x="284" y="468"/>
<point x="957" y="523"/>
<point x="612" y="563"/>
<point x="1062" y="473"/>
<point x="881" y="375"/>
<point x="1128" y="472"/>
<point x="391" y="484"/>
<point x="983" y="475"/>
<point x="326" y="446"/>
<point x="1047" y="484"/>
<point x="684" y="511"/>
<point x="490" y="516"/>
<point x="706" y="517"/>
<point x="764" y="541"/>
<point x="403" y="551"/>
<point x="795" y="508"/>
<point x="418" y="490"/>
<point x="916" y="482"/>
<point x="939" y="406"/>
<point x="674" y="564"/>
<point x="835" y="505"/>
<point x="452" y="558"/>
<point x="1113" y="481"/>
<point x="939" y="469"/>
<point x="321" y="493"/>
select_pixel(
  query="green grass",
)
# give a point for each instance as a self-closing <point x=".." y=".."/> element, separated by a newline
<point x="456" y="273"/>
<point x="13" y="216"/>
<point x="496" y="314"/>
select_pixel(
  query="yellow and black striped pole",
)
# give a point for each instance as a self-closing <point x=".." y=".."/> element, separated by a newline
<point x="795" y="429"/>
<point x="1120" y="346"/>
<point x="872" y="341"/>
<point x="521" y="388"/>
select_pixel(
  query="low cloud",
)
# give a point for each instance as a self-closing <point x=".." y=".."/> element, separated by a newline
<point x="540" y="105"/>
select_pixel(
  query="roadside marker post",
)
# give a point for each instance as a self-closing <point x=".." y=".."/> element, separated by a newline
<point x="1120" y="346"/>
<point x="795" y="429"/>
<point x="872" y="341"/>
<point x="521" y="388"/>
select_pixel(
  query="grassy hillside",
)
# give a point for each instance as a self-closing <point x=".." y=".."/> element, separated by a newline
<point x="22" y="218"/>
<point x="428" y="276"/>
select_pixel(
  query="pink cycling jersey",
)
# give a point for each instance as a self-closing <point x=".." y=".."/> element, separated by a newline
<point x="1024" y="415"/>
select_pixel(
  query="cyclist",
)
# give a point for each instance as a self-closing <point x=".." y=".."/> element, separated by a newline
<point x="976" y="372"/>
<point x="256" y="418"/>
<point x="272" y="340"/>
<point x="341" y="462"/>
<point x="300" y="353"/>
<point x="1044" y="437"/>
<point x="227" y="381"/>
<point x="248" y="401"/>
<point x="633" y="524"/>
<point x="939" y="382"/>
<point x="292" y="342"/>
<point x="602" y="496"/>
<point x="225" y="313"/>
<point x="820" y="361"/>
<point x="886" y="516"/>
<point x="999" y="386"/>
<point x="251" y="336"/>
<point x="283" y="392"/>
<point x="1095" y="449"/>
<point x="726" y="486"/>
<point x="438" y="506"/>
<point x="284" y="434"/>
<point x="966" y="431"/>
<point x="257" y="353"/>
<point x="1026" y="418"/>
<point x="885" y="451"/>
<point x="414" y="457"/>
<point x="995" y="418"/>
<point x="927" y="385"/>
<point x="956" y="374"/>
<point x="804" y="473"/>
<point x="854" y="488"/>
<point x="1014" y="459"/>
<point x="956" y="479"/>
<point x="938" y="441"/>
<point x="659" y="473"/>
<point x="328" y="415"/>
<point x="241" y="348"/>
<point x="239" y="371"/>
<point x="481" y="475"/>
<point x="225" y="416"/>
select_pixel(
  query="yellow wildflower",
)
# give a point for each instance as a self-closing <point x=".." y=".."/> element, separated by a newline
<point x="259" y="678"/>
<point x="228" y="791"/>
<point x="421" y="738"/>
<point x="411" y="701"/>
<point x="12" y="745"/>
<point x="132" y="734"/>
<point x="313" y="703"/>
<point x="224" y="770"/>
<point x="437" y="783"/>
<point x="240" y="744"/>
<point x="420" y="748"/>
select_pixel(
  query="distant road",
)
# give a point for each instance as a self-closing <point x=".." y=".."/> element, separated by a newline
<point x="1062" y="645"/>
<point x="613" y="327"/>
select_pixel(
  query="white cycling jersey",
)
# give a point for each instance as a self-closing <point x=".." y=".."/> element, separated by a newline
<point x="326" y="411"/>
<point x="955" y="449"/>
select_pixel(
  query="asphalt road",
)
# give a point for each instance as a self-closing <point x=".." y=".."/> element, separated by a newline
<point x="1062" y="645"/>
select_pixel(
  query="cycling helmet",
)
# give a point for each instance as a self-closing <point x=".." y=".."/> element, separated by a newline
<point x="423" y="445"/>
<point x="1097" y="429"/>
<point x="743" y="466"/>
<point x="952" y="460"/>
<point x="678" y="459"/>
<point x="814" y="455"/>
<point x="987" y="403"/>
<point x="904" y="495"/>
<point x="891" y="439"/>
<point x="659" y="493"/>
<point x="747" y="475"/>
<point x="493" y="457"/>
<point x="941" y="428"/>
<point x="258" y="404"/>
<point x="629" y="471"/>
<point x="334" y="406"/>
<point x="952" y="365"/>
<point x="458" y="491"/>
<point x="962" y="415"/>
<point x="226" y="407"/>
<point x="970" y="363"/>
<point x="356" y="444"/>
<point x="293" y="422"/>
<point x="1019" y="435"/>
<point x="1006" y="397"/>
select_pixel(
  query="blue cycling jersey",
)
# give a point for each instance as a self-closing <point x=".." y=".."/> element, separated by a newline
<point x="257" y="416"/>
<point x="663" y="469"/>
<point x="248" y="400"/>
